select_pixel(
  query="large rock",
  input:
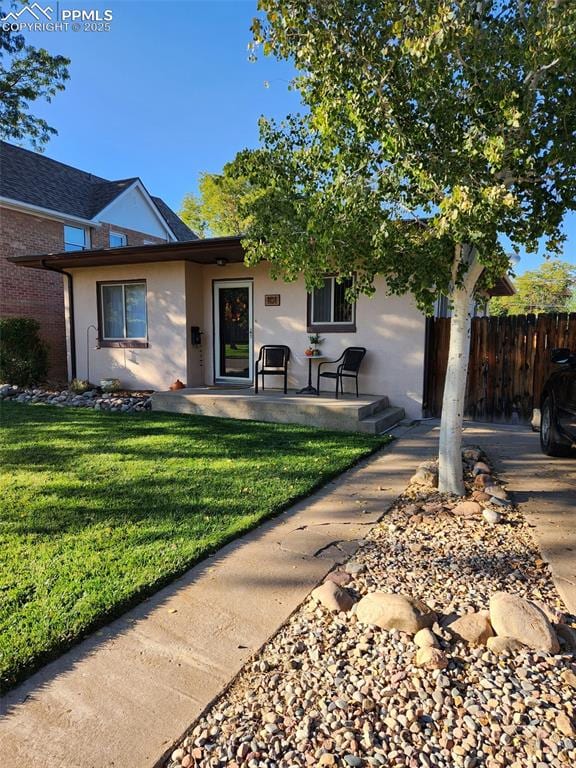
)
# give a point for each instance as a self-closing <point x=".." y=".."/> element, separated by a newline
<point x="497" y="492"/>
<point x="425" y="638"/>
<point x="500" y="645"/>
<point x="339" y="577"/>
<point x="492" y="516"/>
<point x="431" y="658"/>
<point x="483" y="481"/>
<point x="425" y="477"/>
<point x="471" y="454"/>
<point x="432" y="507"/>
<point x="513" y="616"/>
<point x="553" y="615"/>
<point x="391" y="611"/>
<point x="499" y="502"/>
<point x="333" y="597"/>
<point x="481" y="468"/>
<point x="567" y="636"/>
<point x="467" y="509"/>
<point x="474" y="628"/>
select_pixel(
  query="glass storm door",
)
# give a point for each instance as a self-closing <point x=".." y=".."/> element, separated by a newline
<point x="233" y="330"/>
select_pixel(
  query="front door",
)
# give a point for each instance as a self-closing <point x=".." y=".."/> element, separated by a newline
<point x="233" y="352"/>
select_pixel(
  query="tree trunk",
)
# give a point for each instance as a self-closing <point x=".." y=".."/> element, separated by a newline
<point x="450" y="456"/>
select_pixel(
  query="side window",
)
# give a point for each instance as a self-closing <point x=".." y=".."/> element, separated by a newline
<point x="117" y="240"/>
<point x="76" y="238"/>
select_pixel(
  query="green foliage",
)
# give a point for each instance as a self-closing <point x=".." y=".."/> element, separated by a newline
<point x="99" y="510"/>
<point x="79" y="386"/>
<point x="27" y="74"/>
<point x="215" y="213"/>
<point x="23" y="354"/>
<point x="461" y="114"/>
<point x="550" y="288"/>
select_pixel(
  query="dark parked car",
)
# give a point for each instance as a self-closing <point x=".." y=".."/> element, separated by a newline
<point x="558" y="406"/>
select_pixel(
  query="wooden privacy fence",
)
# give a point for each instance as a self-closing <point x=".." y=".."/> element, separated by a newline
<point x="509" y="363"/>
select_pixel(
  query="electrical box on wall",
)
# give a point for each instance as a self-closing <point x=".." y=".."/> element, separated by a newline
<point x="195" y="335"/>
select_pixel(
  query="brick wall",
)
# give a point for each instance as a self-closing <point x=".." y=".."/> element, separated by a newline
<point x="36" y="293"/>
<point x="100" y="236"/>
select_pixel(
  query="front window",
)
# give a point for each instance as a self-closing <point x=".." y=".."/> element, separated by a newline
<point x="117" y="240"/>
<point x="75" y="238"/>
<point x="329" y="305"/>
<point x="123" y="311"/>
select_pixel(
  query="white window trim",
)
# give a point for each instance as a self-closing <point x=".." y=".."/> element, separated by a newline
<point x="351" y="322"/>
<point x="123" y="285"/>
<point x="118" y="234"/>
<point x="86" y="231"/>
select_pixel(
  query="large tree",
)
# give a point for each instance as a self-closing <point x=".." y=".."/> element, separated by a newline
<point x="550" y="288"/>
<point x="27" y="74"/>
<point x="430" y="129"/>
<point x="215" y="211"/>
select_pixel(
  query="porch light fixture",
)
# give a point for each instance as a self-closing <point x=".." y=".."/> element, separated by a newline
<point x="221" y="262"/>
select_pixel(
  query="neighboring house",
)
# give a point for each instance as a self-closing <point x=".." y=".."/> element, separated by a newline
<point x="49" y="207"/>
<point x="193" y="311"/>
<point x="504" y="287"/>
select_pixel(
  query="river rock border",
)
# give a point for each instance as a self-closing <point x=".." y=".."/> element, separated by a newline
<point x="114" y="402"/>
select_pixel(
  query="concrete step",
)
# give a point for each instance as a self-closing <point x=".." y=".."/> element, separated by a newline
<point x="381" y="421"/>
<point x="345" y="414"/>
<point x="377" y="405"/>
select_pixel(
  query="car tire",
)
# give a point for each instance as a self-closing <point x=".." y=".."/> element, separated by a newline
<point x="550" y="442"/>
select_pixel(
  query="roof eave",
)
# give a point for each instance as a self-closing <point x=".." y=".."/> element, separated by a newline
<point x="207" y="251"/>
<point x="46" y="213"/>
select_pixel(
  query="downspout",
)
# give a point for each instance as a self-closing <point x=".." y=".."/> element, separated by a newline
<point x="71" y="312"/>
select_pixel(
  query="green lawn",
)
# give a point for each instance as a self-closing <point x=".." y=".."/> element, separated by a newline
<point x="237" y="351"/>
<point x="100" y="509"/>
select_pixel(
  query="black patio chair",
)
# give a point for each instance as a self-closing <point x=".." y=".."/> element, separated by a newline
<point x="274" y="360"/>
<point x="348" y="369"/>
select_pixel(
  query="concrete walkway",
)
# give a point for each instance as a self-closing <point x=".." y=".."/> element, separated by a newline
<point x="546" y="490"/>
<point x="126" y="694"/>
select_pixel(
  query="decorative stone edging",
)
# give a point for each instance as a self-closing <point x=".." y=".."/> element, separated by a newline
<point x="114" y="402"/>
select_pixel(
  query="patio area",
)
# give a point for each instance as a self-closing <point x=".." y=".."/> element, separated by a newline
<point x="372" y="414"/>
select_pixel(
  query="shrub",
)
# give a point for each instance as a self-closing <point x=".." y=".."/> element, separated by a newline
<point x="79" y="386"/>
<point x="23" y="354"/>
<point x="110" y="385"/>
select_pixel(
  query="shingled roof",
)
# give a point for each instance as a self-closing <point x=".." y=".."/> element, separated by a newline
<point x="29" y="177"/>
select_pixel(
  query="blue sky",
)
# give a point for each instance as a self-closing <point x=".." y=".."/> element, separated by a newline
<point x="169" y="92"/>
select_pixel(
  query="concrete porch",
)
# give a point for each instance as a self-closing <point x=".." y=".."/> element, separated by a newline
<point x="369" y="413"/>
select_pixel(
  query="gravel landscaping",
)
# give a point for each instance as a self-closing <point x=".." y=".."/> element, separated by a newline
<point x="336" y="688"/>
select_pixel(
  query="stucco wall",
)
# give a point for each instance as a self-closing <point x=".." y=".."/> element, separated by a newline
<point x="195" y="301"/>
<point x="164" y="360"/>
<point x="180" y="295"/>
<point x="390" y="327"/>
